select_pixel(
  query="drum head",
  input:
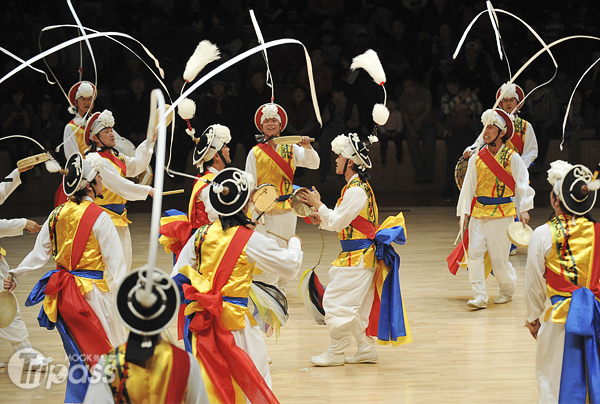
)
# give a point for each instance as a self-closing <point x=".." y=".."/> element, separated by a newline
<point x="298" y="207"/>
<point x="519" y="235"/>
<point x="265" y="197"/>
<point x="145" y="178"/>
<point x="460" y="171"/>
<point x="8" y="308"/>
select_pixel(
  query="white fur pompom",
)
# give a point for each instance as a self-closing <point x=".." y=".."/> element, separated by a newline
<point x="186" y="109"/>
<point x="371" y="63"/>
<point x="558" y="170"/>
<point x="106" y="119"/>
<point x="222" y="132"/>
<point x="96" y="161"/>
<point x="52" y="166"/>
<point x="339" y="143"/>
<point x="249" y="181"/>
<point x="205" y="53"/>
<point x="594" y="185"/>
<point x="380" y="114"/>
<point x="270" y="111"/>
<point x="373" y="139"/>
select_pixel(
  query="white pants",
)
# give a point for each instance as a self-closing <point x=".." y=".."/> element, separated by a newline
<point x="104" y="306"/>
<point x="548" y="360"/>
<point x="125" y="238"/>
<point x="490" y="234"/>
<point x="347" y="303"/>
<point x="250" y="339"/>
<point x="283" y="223"/>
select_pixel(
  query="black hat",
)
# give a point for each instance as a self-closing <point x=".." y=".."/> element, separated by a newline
<point x="79" y="171"/>
<point x="230" y="191"/>
<point x="210" y="142"/>
<point x="575" y="192"/>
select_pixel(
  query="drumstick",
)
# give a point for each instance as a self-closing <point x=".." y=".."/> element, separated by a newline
<point x="277" y="235"/>
<point x="173" y="192"/>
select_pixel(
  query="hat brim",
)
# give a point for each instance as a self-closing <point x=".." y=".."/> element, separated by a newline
<point x="571" y="193"/>
<point x="230" y="203"/>
<point x="282" y="114"/>
<point x="74" y="175"/>
<point x="87" y="136"/>
<point x="73" y="92"/>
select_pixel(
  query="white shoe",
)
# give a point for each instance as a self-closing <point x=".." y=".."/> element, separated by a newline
<point x="502" y="299"/>
<point x="362" y="357"/>
<point x="269" y="360"/>
<point x="477" y="303"/>
<point x="513" y="252"/>
<point x="328" y="359"/>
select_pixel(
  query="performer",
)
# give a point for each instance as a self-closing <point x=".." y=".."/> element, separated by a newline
<point x="77" y="296"/>
<point x="493" y="178"/>
<point x="211" y="155"/>
<point x="563" y="263"/>
<point x="81" y="97"/>
<point x="523" y="141"/>
<point x="276" y="164"/>
<point x="16" y="332"/>
<point x="147" y="369"/>
<point x="214" y="272"/>
<point x="117" y="189"/>
<point x="364" y="285"/>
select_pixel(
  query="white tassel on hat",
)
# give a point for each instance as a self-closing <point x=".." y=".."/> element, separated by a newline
<point x="52" y="166"/>
<point x="594" y="185"/>
<point x="205" y="53"/>
<point x="371" y="63"/>
<point x="187" y="110"/>
<point x="380" y="114"/>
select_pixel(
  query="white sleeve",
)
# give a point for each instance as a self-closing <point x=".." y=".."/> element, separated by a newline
<point x="112" y="180"/>
<point x="308" y="158"/>
<point x="473" y="147"/>
<point x="530" y="146"/>
<point x="187" y="256"/>
<point x="535" y="271"/>
<point x="251" y="166"/>
<point x="196" y="390"/>
<point x="210" y="212"/>
<point x="37" y="258"/>
<point x="112" y="251"/>
<point x="7" y="188"/>
<point x="523" y="191"/>
<point x="266" y="253"/>
<point x="12" y="227"/>
<point x="355" y="199"/>
<point x="468" y="190"/>
<point x="98" y="391"/>
<point x="143" y="155"/>
<point x="70" y="146"/>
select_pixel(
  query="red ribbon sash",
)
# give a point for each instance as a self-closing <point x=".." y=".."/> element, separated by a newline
<point x="215" y="344"/>
<point x="517" y="142"/>
<point x="180" y="371"/>
<point x="364" y="226"/>
<point x="83" y="232"/>
<point x="497" y="169"/>
<point x="281" y="163"/>
<point x="108" y="154"/>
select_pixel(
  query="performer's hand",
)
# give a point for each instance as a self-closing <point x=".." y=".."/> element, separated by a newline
<point x="524" y="218"/>
<point x="465" y="224"/>
<point x="310" y="198"/>
<point x="252" y="225"/>
<point x="315" y="218"/>
<point x="151" y="193"/>
<point x="533" y="327"/>
<point x="297" y="238"/>
<point x="9" y="285"/>
<point x="23" y="169"/>
<point x="32" y="227"/>
<point x="305" y="142"/>
<point x="468" y="154"/>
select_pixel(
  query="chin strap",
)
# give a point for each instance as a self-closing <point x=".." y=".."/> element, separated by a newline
<point x="493" y="142"/>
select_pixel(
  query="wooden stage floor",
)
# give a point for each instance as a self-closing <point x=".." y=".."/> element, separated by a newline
<point x="458" y="355"/>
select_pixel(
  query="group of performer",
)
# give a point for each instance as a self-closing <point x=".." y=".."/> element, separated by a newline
<point x="232" y="260"/>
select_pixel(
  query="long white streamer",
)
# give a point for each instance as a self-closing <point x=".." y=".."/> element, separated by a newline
<point x="261" y="40"/>
<point x="87" y="42"/>
<point x="496" y="26"/>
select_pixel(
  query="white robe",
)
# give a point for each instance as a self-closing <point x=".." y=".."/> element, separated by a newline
<point x="102" y="303"/>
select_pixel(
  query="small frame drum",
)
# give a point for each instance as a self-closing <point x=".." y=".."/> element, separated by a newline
<point x="519" y="235"/>
<point x="265" y="197"/>
<point x="460" y="171"/>
<point x="298" y="207"/>
<point x="33" y="160"/>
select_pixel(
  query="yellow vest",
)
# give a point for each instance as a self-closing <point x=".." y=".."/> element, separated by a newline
<point x="197" y="186"/>
<point x="489" y="185"/>
<point x="369" y="212"/>
<point x="79" y="136"/>
<point x="268" y="172"/>
<point x="148" y="384"/>
<point x="211" y="243"/>
<point x="110" y="198"/>
<point x="570" y="258"/>
<point x="520" y="130"/>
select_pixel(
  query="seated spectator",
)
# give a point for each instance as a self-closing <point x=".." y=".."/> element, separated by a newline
<point x="392" y="130"/>
<point x="301" y="114"/>
<point x="46" y="127"/>
<point x="339" y="116"/>
<point x="250" y="100"/>
<point x="132" y="110"/>
<point x="322" y="74"/>
<point x="581" y="124"/>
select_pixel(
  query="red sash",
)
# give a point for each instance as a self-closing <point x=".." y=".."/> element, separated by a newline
<point x="83" y="232"/>
<point x="179" y="376"/>
<point x="109" y="155"/>
<point x="364" y="226"/>
<point x="281" y="163"/>
<point x="216" y="347"/>
<point x="559" y="283"/>
<point x="517" y="142"/>
<point x="497" y="169"/>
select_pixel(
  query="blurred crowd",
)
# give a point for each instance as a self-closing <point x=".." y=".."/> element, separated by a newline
<point x="431" y="95"/>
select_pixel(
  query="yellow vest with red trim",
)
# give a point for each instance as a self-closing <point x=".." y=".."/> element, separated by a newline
<point x="195" y="197"/>
<point x="369" y="212"/>
<point x="79" y="133"/>
<point x="148" y="384"/>
<point x="268" y="172"/>
<point x="110" y="197"/>
<point x="489" y="185"/>
<point x="570" y="258"/>
<point x="211" y="242"/>
<point x="520" y="130"/>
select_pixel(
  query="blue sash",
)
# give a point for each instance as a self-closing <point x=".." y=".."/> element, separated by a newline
<point x="117" y="208"/>
<point x="486" y="200"/>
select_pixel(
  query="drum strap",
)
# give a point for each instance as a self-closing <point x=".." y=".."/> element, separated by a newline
<point x="499" y="171"/>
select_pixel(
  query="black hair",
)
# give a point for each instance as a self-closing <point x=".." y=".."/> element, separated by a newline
<point x="239" y="219"/>
<point x="362" y="174"/>
<point x="79" y="195"/>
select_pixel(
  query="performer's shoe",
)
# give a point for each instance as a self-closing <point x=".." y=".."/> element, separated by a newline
<point x="328" y="359"/>
<point x="477" y="303"/>
<point x="513" y="252"/>
<point x="502" y="299"/>
<point x="362" y="357"/>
